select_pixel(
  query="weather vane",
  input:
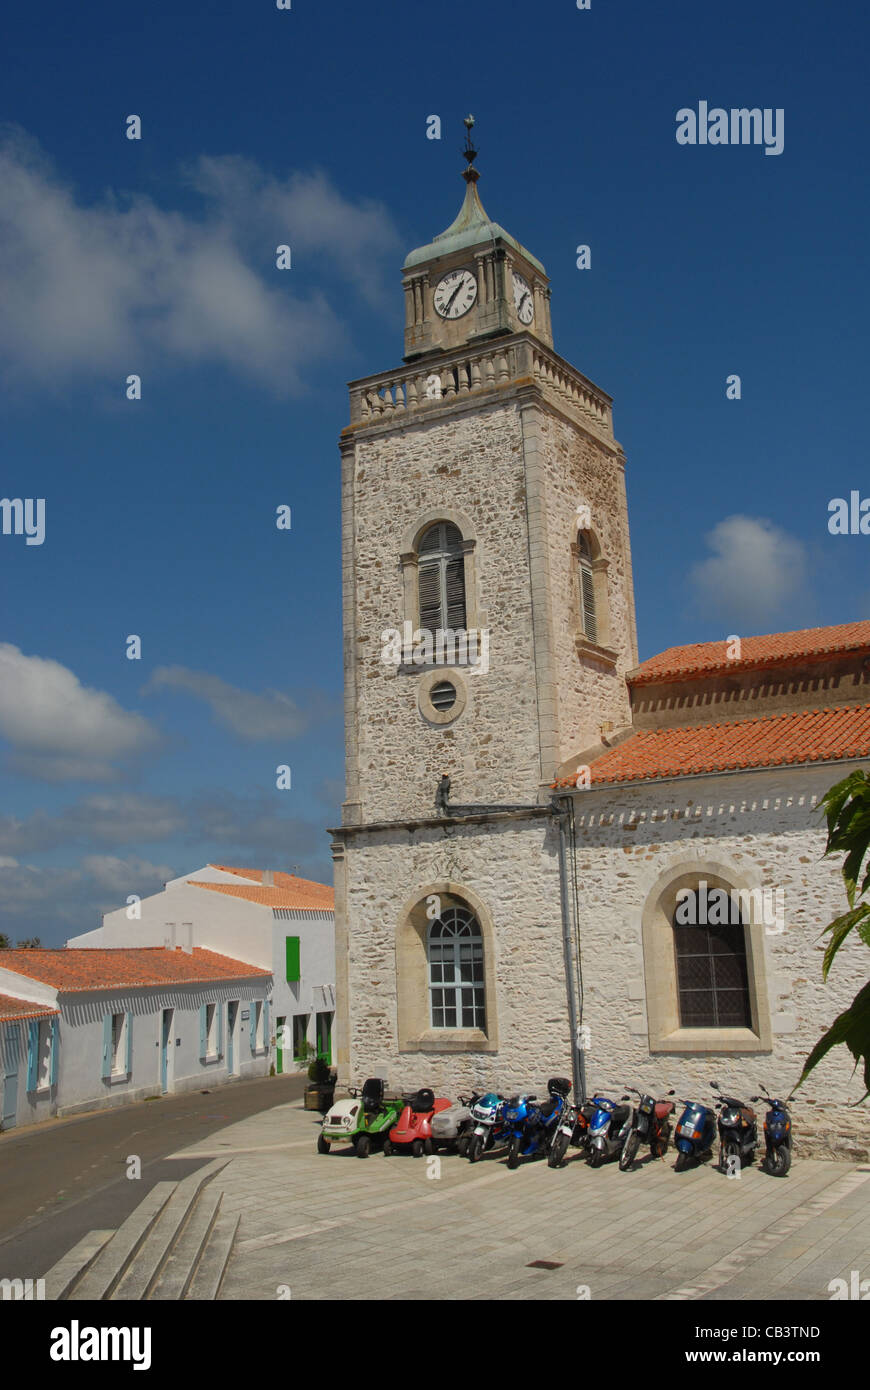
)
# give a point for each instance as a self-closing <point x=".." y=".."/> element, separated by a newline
<point x="470" y="153"/>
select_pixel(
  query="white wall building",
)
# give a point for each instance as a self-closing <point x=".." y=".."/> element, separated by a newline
<point x="273" y="920"/>
<point x="86" y="1029"/>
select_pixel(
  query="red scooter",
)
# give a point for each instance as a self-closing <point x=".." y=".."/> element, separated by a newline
<point x="414" y="1126"/>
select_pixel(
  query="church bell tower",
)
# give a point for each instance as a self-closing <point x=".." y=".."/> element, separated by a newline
<point x="482" y="494"/>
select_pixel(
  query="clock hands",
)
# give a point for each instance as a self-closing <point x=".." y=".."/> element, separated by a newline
<point x="449" y="305"/>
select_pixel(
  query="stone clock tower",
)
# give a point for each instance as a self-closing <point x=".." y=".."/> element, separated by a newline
<point x="482" y="495"/>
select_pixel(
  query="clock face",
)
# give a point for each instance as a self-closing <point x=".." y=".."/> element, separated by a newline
<point x="523" y="301"/>
<point x="455" y="293"/>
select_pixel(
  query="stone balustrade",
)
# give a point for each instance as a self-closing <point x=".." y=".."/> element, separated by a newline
<point x="473" y="371"/>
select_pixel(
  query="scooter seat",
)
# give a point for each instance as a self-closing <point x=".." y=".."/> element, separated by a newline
<point x="664" y="1108"/>
<point x="620" y="1114"/>
<point x="548" y="1108"/>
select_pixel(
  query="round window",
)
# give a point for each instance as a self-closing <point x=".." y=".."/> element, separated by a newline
<point x="443" y="695"/>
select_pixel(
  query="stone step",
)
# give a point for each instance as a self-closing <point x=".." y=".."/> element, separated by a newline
<point x="105" y="1272"/>
<point x="174" y="1278"/>
<point x="206" y="1283"/>
<point x="71" y="1266"/>
<point x="143" y="1270"/>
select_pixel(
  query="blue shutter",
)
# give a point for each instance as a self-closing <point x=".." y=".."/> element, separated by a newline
<point x="202" y="1022"/>
<point x="32" y="1053"/>
<point x="266" y="1034"/>
<point x="128" y="1064"/>
<point x="55" y="1048"/>
<point x="220" y="1028"/>
<point x="253" y="1025"/>
<point x="107" y="1045"/>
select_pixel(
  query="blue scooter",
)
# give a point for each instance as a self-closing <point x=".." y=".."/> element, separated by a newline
<point x="777" y="1136"/>
<point x="531" y="1127"/>
<point x="696" y="1134"/>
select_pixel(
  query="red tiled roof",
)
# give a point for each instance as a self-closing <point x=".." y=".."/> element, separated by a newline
<point x="287" y="891"/>
<point x="22" y="1008"/>
<point x="805" y="736"/>
<point x="774" y="648"/>
<point x="77" y="968"/>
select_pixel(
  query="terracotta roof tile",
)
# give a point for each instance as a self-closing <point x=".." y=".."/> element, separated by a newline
<point x="287" y="891"/>
<point x="76" y="968"/>
<point x="774" y="648"/>
<point x="22" y="1008"/>
<point x="804" y="736"/>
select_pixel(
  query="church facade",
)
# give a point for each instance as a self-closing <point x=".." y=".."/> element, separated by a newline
<point x="527" y="806"/>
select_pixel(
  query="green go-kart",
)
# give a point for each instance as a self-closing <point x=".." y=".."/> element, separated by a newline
<point x="364" y="1119"/>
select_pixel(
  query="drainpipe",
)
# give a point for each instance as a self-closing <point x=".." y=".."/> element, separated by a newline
<point x="575" y="998"/>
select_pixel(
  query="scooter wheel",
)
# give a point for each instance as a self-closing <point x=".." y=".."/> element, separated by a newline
<point x="629" y="1151"/>
<point x="475" y="1148"/>
<point x="778" y="1163"/>
<point x="363" y="1146"/>
<point x="417" y="1148"/>
<point x="558" y="1149"/>
<point x="322" y="1145"/>
<point x="513" y="1156"/>
<point x="682" y="1162"/>
<point x="596" y="1158"/>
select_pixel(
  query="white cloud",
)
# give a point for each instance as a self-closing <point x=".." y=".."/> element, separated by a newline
<point x="270" y="715"/>
<point x="100" y="291"/>
<point x="129" y="875"/>
<point x="60" y="729"/>
<point x="754" y="572"/>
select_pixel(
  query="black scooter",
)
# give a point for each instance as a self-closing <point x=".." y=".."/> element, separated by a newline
<point x="738" y="1131"/>
<point x="777" y="1136"/>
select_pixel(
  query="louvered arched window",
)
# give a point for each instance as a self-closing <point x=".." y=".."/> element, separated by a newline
<point x="587" y="588"/>
<point x="441" y="578"/>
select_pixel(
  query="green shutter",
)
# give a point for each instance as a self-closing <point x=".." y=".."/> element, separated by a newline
<point x="293" y="970"/>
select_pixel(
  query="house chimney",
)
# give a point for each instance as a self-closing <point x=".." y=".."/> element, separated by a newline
<point x="268" y="878"/>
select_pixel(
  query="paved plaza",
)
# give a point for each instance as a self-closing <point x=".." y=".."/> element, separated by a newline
<point x="334" y="1226"/>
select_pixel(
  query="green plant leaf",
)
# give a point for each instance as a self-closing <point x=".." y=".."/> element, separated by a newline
<point x="840" y="928"/>
<point x="851" y="1027"/>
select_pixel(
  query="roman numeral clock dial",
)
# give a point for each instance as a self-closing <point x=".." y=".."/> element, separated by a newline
<point x="455" y="293"/>
<point x="523" y="301"/>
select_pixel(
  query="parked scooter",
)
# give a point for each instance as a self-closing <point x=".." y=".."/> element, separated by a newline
<point x="489" y="1130"/>
<point x="534" y="1133"/>
<point x="364" y="1118"/>
<point x="696" y="1134"/>
<point x="777" y="1136"/>
<point x="451" y="1128"/>
<point x="413" y="1129"/>
<point x="650" y="1124"/>
<point x="608" y="1127"/>
<point x="738" y="1131"/>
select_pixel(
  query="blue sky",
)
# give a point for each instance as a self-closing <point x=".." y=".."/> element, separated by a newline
<point x="157" y="257"/>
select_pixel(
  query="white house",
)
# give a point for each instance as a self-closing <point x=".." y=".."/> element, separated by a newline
<point x="274" y="920"/>
<point x="86" y="1029"/>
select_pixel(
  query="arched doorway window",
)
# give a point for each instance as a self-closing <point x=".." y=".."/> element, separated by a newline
<point x="712" y="971"/>
<point x="441" y="578"/>
<point x="454" y="948"/>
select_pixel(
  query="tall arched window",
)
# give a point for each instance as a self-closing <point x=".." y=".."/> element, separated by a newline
<point x="712" y="974"/>
<point x="587" y="588"/>
<point x="456" y="984"/>
<point x="441" y="578"/>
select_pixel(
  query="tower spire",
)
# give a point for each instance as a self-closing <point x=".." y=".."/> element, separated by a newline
<point x="471" y="175"/>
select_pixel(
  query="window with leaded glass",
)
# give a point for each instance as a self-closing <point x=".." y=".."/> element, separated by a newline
<point x="441" y="578"/>
<point x="712" y="972"/>
<point x="456" y="983"/>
